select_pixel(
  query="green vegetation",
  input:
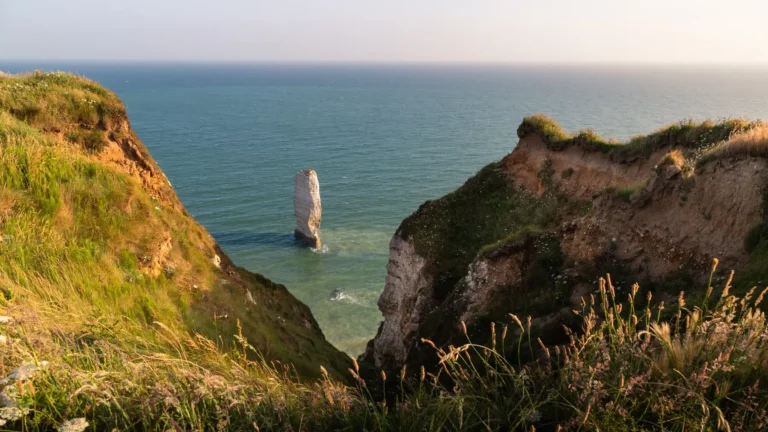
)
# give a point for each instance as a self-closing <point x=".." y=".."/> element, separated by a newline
<point x="753" y="142"/>
<point x="703" y="369"/>
<point x="93" y="253"/>
<point x="487" y="209"/>
<point x="114" y="310"/>
<point x="685" y="134"/>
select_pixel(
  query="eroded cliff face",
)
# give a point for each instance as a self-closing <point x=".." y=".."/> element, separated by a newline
<point x="407" y="297"/>
<point x="653" y="219"/>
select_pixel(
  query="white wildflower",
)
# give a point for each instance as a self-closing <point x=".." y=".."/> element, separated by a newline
<point x="75" y="425"/>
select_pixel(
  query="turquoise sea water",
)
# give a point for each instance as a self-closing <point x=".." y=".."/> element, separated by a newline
<point x="383" y="139"/>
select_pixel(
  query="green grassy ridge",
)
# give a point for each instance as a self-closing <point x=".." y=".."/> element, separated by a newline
<point x="61" y="103"/>
<point x="685" y="134"/>
<point x="79" y="237"/>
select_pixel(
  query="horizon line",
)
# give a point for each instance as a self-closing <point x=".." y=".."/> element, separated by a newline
<point x="381" y="62"/>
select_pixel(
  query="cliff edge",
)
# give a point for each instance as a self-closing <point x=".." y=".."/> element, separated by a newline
<point x="96" y="242"/>
<point x="530" y="234"/>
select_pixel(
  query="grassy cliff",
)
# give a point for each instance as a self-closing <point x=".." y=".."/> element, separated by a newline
<point x="103" y="272"/>
<point x="687" y="135"/>
<point x="119" y="312"/>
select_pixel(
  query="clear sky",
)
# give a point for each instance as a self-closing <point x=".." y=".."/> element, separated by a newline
<point x="659" y="31"/>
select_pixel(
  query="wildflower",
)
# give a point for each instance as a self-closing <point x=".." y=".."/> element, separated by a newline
<point x="464" y="328"/>
<point x="423" y="374"/>
<point x="533" y="416"/>
<point x="383" y="376"/>
<point x="75" y="425"/>
<point x="325" y="372"/>
<point x="357" y="366"/>
<point x="402" y="374"/>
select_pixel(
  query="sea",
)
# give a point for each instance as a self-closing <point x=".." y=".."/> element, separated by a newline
<point x="383" y="139"/>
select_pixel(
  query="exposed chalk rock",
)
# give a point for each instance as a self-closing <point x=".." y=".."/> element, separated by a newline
<point x="408" y="296"/>
<point x="307" y="208"/>
<point x="216" y="261"/>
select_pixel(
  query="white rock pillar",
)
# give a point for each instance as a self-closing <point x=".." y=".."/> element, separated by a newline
<point x="307" y="208"/>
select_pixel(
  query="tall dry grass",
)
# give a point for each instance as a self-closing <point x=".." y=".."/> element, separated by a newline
<point x="753" y="142"/>
<point x="627" y="368"/>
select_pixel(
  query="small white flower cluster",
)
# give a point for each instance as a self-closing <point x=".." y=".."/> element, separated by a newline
<point x="533" y="416"/>
<point x="75" y="425"/>
<point x="10" y="410"/>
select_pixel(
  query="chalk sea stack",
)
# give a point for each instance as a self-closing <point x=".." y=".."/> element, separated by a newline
<point x="307" y="208"/>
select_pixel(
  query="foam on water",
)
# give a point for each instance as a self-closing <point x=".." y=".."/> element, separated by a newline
<point x="324" y="249"/>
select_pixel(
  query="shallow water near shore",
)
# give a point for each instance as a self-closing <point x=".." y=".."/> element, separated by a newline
<point x="383" y="139"/>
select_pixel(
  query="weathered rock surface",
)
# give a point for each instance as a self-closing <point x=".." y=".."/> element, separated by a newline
<point x="407" y="297"/>
<point x="307" y="207"/>
<point x="670" y="222"/>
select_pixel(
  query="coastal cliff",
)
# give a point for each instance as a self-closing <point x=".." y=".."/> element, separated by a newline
<point x="92" y="231"/>
<point x="530" y="234"/>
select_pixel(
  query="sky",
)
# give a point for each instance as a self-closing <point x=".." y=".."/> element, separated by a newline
<point x="495" y="31"/>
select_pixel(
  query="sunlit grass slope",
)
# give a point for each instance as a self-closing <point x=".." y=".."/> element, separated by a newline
<point x="97" y="251"/>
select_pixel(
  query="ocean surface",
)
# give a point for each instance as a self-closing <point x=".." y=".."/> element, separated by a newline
<point x="382" y="138"/>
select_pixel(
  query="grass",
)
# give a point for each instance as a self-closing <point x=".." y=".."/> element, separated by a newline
<point x="492" y="206"/>
<point x="87" y="239"/>
<point x="753" y="142"/>
<point x="687" y="135"/>
<point x="704" y="368"/>
<point x="120" y="332"/>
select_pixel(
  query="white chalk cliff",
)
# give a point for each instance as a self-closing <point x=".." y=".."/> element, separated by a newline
<point x="307" y="208"/>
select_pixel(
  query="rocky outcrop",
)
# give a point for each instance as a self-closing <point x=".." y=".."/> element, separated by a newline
<point x="577" y="212"/>
<point x="407" y="297"/>
<point x="307" y="208"/>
